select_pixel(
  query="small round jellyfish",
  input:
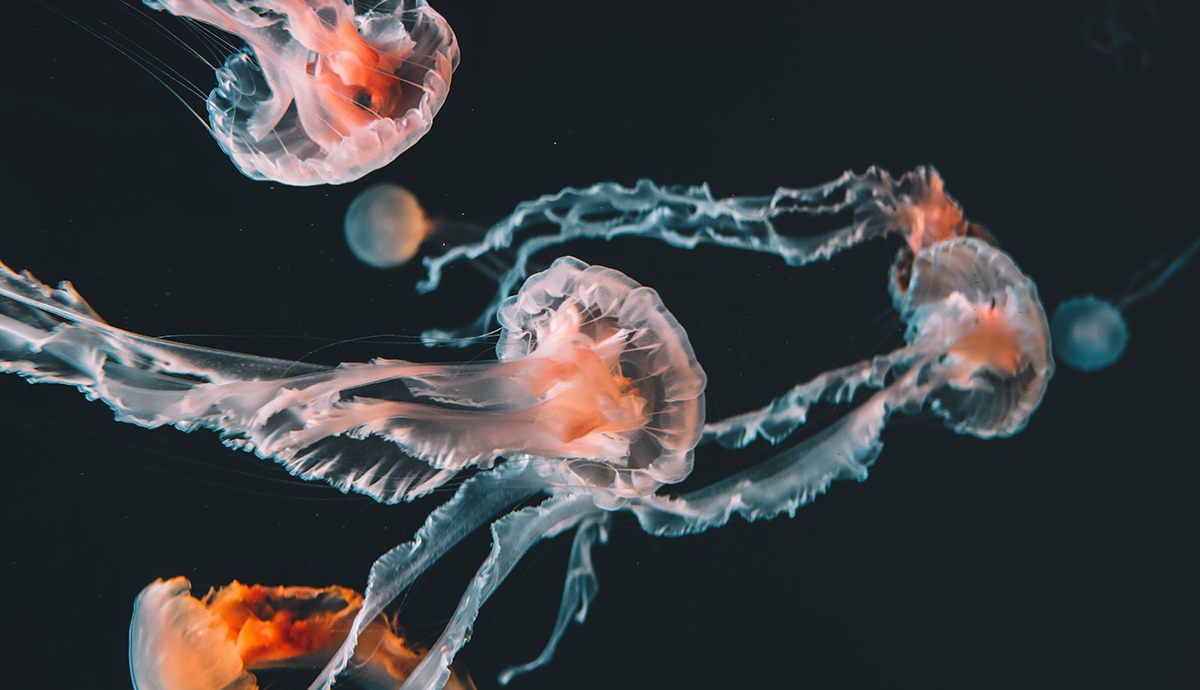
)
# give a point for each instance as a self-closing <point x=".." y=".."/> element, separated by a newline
<point x="1089" y="333"/>
<point x="385" y="227"/>
<point x="179" y="642"/>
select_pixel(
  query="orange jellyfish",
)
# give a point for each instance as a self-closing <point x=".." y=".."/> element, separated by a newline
<point x="179" y="642"/>
<point x="319" y="94"/>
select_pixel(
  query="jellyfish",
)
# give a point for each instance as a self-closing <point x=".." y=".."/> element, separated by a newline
<point x="320" y="95"/>
<point x="386" y="226"/>
<point x="595" y="379"/>
<point x="1090" y="332"/>
<point x="179" y="642"/>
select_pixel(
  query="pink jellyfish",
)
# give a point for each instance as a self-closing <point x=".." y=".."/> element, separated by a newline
<point x="977" y="352"/>
<point x="595" y="379"/>
<point x="319" y="94"/>
<point x="179" y="642"/>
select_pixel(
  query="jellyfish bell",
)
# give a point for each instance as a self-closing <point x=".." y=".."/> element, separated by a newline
<point x="969" y="299"/>
<point x="385" y="225"/>
<point x="320" y="94"/>
<point x="1089" y="333"/>
<point x="654" y="413"/>
<point x="180" y="642"/>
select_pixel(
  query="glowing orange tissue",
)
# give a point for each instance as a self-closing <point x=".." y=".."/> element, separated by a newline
<point x="179" y="642"/>
<point x="993" y="343"/>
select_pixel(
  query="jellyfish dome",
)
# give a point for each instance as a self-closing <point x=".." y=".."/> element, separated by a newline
<point x="385" y="226"/>
<point x="648" y="438"/>
<point x="970" y="300"/>
<point x="1089" y="333"/>
<point x="319" y="94"/>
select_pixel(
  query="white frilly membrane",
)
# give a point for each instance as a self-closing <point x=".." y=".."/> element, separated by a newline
<point x="319" y="94"/>
<point x="599" y="393"/>
<point x="179" y="642"/>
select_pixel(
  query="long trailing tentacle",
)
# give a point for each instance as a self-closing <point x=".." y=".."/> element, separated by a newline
<point x="512" y="536"/>
<point x="578" y="591"/>
<point x="477" y="500"/>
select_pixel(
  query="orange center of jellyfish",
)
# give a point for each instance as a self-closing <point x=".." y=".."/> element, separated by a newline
<point x="934" y="218"/>
<point x="585" y="396"/>
<point x="299" y="627"/>
<point x="993" y="343"/>
<point x="361" y="81"/>
<point x="266" y="629"/>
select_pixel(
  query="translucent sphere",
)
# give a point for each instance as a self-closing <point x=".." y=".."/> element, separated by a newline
<point x="1088" y="333"/>
<point x="385" y="226"/>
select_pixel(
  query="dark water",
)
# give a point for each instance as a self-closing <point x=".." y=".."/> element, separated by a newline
<point x="1063" y="555"/>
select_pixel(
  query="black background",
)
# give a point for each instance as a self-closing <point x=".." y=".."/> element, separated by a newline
<point x="1064" y="555"/>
